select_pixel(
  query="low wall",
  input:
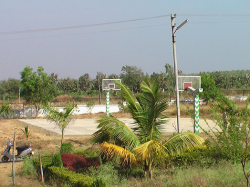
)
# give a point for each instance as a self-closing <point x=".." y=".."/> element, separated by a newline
<point x="81" y="109"/>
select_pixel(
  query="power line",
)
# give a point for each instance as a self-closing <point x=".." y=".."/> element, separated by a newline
<point x="132" y="28"/>
<point x="124" y="21"/>
<point x="79" y="26"/>
<point x="215" y="15"/>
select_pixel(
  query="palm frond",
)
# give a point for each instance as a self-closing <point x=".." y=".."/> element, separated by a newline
<point x="129" y="97"/>
<point x="153" y="104"/>
<point x="111" y="150"/>
<point x="183" y="141"/>
<point x="151" y="151"/>
<point x="113" y="129"/>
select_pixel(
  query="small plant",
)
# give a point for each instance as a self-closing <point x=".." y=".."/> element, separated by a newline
<point x="57" y="161"/>
<point x="26" y="132"/>
<point x="5" y="111"/>
<point x="27" y="167"/>
<point x="61" y="119"/>
<point x="66" y="148"/>
<point x="90" y="105"/>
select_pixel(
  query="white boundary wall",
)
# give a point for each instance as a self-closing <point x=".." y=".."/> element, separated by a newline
<point x="83" y="109"/>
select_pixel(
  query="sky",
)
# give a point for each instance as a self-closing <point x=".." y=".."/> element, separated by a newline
<point x="74" y="37"/>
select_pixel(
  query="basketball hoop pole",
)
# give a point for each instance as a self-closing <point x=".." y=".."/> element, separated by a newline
<point x="175" y="67"/>
<point x="107" y="103"/>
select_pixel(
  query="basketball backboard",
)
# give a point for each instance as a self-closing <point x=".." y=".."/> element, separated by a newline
<point x="189" y="81"/>
<point x="109" y="84"/>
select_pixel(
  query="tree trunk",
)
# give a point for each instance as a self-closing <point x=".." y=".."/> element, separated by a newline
<point x="62" y="136"/>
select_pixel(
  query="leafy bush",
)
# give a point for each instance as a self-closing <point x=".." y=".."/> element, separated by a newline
<point x="57" y="160"/>
<point x="204" y="157"/>
<point x="46" y="163"/>
<point x="66" y="148"/>
<point x="107" y="173"/>
<point x="5" y="111"/>
<point x="78" y="162"/>
<point x="90" y="105"/>
<point x="70" y="177"/>
<point x="99" y="183"/>
<point x="27" y="167"/>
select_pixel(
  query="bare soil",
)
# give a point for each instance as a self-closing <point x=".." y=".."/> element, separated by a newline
<point x="42" y="142"/>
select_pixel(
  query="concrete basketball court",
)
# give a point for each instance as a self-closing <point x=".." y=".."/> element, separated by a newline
<point x="89" y="126"/>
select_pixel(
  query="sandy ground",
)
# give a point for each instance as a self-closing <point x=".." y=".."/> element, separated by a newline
<point x="89" y="126"/>
<point x="42" y="141"/>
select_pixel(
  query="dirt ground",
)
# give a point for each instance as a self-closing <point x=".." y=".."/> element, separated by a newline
<point x="41" y="141"/>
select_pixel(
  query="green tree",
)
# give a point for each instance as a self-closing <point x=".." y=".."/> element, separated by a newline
<point x="232" y="133"/>
<point x="161" y="79"/>
<point x="113" y="76"/>
<point x="61" y="119"/>
<point x="85" y="82"/>
<point x="142" y="145"/>
<point x="10" y="89"/>
<point x="132" y="76"/>
<point x="37" y="88"/>
<point x="98" y="83"/>
<point x="170" y="78"/>
<point x="210" y="90"/>
<point x="68" y="85"/>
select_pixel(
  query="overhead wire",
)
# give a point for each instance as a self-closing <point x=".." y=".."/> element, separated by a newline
<point x="79" y="26"/>
<point x="113" y="30"/>
<point x="117" y="22"/>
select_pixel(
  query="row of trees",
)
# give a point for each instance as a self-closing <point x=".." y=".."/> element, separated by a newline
<point x="85" y="85"/>
<point x="40" y="84"/>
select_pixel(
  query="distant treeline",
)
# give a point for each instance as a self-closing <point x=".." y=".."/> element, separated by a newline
<point x="235" y="79"/>
<point x="131" y="76"/>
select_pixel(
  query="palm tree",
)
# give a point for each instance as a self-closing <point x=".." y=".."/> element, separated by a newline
<point x="142" y="144"/>
<point x="61" y="119"/>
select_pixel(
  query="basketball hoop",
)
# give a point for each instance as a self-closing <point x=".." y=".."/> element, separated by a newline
<point x="109" y="84"/>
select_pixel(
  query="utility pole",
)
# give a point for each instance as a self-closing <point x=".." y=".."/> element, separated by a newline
<point x="175" y="71"/>
<point x="173" y="16"/>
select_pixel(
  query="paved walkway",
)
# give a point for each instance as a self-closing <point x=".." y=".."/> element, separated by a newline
<point x="89" y="126"/>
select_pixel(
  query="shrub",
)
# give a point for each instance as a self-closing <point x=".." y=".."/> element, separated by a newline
<point x="46" y="163"/>
<point x="57" y="160"/>
<point x="90" y="105"/>
<point x="107" y="173"/>
<point x="5" y="111"/>
<point x="78" y="162"/>
<point x="27" y="167"/>
<point x="204" y="157"/>
<point x="66" y="148"/>
<point x="70" y="177"/>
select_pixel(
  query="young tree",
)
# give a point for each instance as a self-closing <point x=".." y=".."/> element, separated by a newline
<point x="68" y="85"/>
<point x="98" y="83"/>
<point x="85" y="82"/>
<point x="61" y="119"/>
<point x="142" y="144"/>
<point x="170" y="78"/>
<point x="232" y="134"/>
<point x="37" y="88"/>
<point x="210" y="90"/>
<point x="132" y="77"/>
